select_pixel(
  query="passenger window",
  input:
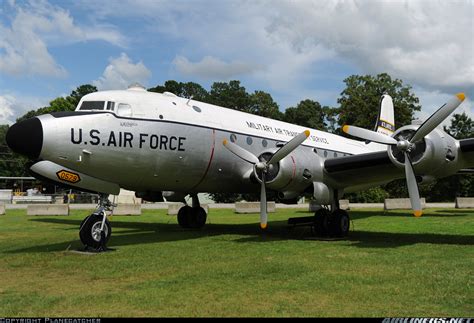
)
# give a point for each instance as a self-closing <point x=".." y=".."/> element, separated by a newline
<point x="92" y="105"/>
<point x="124" y="110"/>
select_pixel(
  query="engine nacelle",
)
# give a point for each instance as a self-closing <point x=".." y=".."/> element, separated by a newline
<point x="323" y="195"/>
<point x="435" y="155"/>
<point x="293" y="174"/>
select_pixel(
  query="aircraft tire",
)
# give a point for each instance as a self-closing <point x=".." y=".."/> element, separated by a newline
<point x="198" y="218"/>
<point x="184" y="216"/>
<point x="340" y="223"/>
<point x="89" y="232"/>
<point x="321" y="222"/>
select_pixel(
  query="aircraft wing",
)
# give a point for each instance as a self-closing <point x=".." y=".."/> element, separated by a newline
<point x="466" y="151"/>
<point x="361" y="171"/>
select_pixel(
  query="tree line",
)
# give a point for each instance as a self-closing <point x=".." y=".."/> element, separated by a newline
<point x="358" y="104"/>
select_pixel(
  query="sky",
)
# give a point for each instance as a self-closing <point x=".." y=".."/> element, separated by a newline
<point x="294" y="50"/>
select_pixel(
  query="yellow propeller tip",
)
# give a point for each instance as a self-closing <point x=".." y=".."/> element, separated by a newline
<point x="306" y="132"/>
<point x="263" y="226"/>
<point x="345" y="128"/>
<point x="461" y="96"/>
<point x="224" y="142"/>
<point x="418" y="213"/>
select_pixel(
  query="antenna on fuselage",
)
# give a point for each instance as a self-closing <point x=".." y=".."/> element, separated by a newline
<point x="189" y="100"/>
<point x="136" y="87"/>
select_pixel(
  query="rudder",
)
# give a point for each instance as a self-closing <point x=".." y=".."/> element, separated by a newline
<point x="386" y="118"/>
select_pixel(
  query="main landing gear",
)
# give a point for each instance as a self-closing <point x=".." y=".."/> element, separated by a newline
<point x="324" y="223"/>
<point x="331" y="224"/>
<point x="192" y="217"/>
<point x="95" y="230"/>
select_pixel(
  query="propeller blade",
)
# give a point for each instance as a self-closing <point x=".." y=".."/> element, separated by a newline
<point x="412" y="187"/>
<point x="240" y="152"/>
<point x="369" y="135"/>
<point x="436" y="118"/>
<point x="263" y="204"/>
<point x="288" y="147"/>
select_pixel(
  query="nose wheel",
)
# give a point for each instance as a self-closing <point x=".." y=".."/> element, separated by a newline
<point x="95" y="230"/>
<point x="91" y="234"/>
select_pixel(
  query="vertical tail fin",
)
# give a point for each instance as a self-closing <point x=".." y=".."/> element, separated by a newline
<point x="386" y="118"/>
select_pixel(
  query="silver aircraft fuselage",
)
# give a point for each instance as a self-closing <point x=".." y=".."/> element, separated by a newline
<point x="144" y="141"/>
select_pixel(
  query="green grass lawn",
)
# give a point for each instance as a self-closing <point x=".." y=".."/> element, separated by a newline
<point x="392" y="264"/>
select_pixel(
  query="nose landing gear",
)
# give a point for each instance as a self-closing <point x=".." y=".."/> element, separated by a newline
<point x="95" y="230"/>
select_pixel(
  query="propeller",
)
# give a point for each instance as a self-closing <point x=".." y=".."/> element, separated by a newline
<point x="406" y="145"/>
<point x="264" y="166"/>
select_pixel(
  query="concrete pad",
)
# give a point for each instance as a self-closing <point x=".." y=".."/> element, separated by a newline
<point x="128" y="209"/>
<point x="401" y="204"/>
<point x="464" y="202"/>
<point x="47" y="209"/>
<point x="173" y="208"/>
<point x="253" y="207"/>
<point x="2" y="208"/>
<point x="127" y="197"/>
<point x="40" y="199"/>
<point x="344" y="205"/>
<point x="6" y="196"/>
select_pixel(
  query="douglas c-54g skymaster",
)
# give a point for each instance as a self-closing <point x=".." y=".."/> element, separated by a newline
<point x="161" y="145"/>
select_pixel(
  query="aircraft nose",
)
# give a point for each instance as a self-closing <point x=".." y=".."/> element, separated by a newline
<point x="26" y="137"/>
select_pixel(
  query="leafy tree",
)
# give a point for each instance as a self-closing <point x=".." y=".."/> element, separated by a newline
<point x="225" y="197"/>
<point x="360" y="100"/>
<point x="372" y="195"/>
<point x="461" y="127"/>
<point x="11" y="164"/>
<point x="185" y="90"/>
<point x="230" y="95"/>
<point x="307" y="113"/>
<point x="331" y="116"/>
<point x="77" y="94"/>
<point x="262" y="104"/>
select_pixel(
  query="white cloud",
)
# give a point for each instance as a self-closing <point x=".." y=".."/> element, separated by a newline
<point x="429" y="43"/>
<point x="14" y="105"/>
<point x="121" y="72"/>
<point x="212" y="68"/>
<point x="24" y="43"/>
<point x="6" y="109"/>
<point x="297" y="44"/>
<point x="431" y="101"/>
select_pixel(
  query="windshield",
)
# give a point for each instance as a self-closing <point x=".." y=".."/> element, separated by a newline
<point x="92" y="105"/>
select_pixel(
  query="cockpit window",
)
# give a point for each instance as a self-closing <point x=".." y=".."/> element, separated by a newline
<point x="110" y="106"/>
<point x="92" y="105"/>
<point x="124" y="110"/>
